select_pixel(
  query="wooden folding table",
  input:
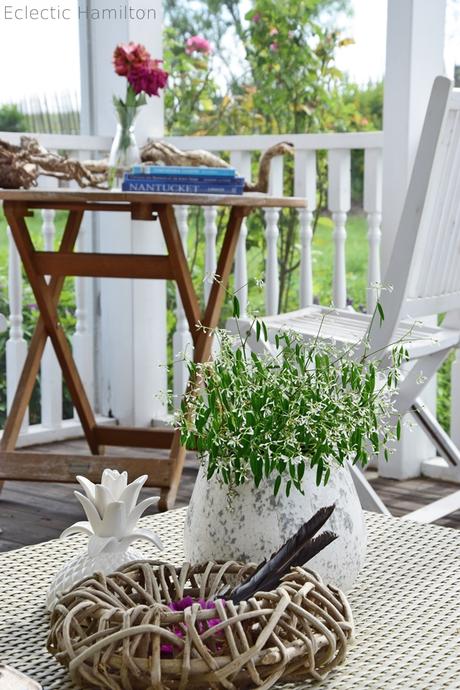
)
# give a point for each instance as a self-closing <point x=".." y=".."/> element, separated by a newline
<point x="18" y="205"/>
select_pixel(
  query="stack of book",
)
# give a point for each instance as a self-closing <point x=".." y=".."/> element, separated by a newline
<point x="182" y="180"/>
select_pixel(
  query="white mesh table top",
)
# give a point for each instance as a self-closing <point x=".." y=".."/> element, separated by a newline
<point x="406" y="606"/>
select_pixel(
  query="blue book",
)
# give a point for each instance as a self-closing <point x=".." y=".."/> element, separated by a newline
<point x="188" y="179"/>
<point x="181" y="188"/>
<point x="182" y="171"/>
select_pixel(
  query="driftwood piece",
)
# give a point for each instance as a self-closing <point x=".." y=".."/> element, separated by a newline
<point x="20" y="166"/>
<point x="162" y="153"/>
<point x="281" y="149"/>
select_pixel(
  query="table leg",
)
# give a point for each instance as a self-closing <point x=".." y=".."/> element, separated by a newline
<point x="219" y="286"/>
<point x="202" y="339"/>
<point x="37" y="345"/>
<point x="182" y="275"/>
<point x="47" y="296"/>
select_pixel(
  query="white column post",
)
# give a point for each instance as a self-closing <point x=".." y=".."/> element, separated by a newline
<point x="373" y="210"/>
<point x="82" y="339"/>
<point x="131" y="347"/>
<point x="415" y="48"/>
<point x="339" y="200"/>
<point x="241" y="161"/>
<point x="414" y="57"/>
<point x="182" y="338"/>
<point x="51" y="376"/>
<point x="305" y="185"/>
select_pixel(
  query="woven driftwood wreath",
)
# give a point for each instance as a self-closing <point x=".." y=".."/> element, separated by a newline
<point x="111" y="631"/>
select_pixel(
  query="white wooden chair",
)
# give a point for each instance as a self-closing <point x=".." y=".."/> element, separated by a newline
<point x="424" y="271"/>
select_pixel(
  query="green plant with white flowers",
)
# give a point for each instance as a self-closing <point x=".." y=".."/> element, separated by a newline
<point x="252" y="416"/>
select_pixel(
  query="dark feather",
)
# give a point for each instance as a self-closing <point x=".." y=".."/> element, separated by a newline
<point x="298" y="550"/>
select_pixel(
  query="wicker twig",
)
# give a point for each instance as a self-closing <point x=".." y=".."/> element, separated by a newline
<point x="110" y="631"/>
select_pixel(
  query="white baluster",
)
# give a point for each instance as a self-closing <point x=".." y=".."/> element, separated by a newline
<point x="272" y="216"/>
<point x="241" y="161"/>
<point x="241" y="270"/>
<point x="339" y="198"/>
<point x="271" y="263"/>
<point x="16" y="346"/>
<point x="373" y="209"/>
<point x="182" y="339"/>
<point x="82" y="340"/>
<point x="305" y="186"/>
<point x="51" y="377"/>
<point x="210" y="233"/>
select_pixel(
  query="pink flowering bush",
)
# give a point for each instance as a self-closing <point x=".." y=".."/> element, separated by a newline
<point x="197" y="44"/>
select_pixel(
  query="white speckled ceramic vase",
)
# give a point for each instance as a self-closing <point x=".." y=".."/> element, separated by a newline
<point x="256" y="523"/>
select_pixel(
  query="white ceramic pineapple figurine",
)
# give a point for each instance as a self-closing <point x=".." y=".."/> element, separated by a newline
<point x="111" y="527"/>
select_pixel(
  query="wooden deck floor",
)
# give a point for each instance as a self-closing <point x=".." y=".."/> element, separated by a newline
<point x="34" y="512"/>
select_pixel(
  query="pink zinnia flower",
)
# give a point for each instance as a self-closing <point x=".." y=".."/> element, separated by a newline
<point x="256" y="18"/>
<point x="148" y="78"/>
<point x="274" y="32"/>
<point x="129" y="55"/>
<point x="197" y="44"/>
<point x="274" y="47"/>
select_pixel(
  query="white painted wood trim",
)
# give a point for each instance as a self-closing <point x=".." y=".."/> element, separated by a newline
<point x="436" y="510"/>
<point x="69" y="428"/>
<point x="257" y="142"/>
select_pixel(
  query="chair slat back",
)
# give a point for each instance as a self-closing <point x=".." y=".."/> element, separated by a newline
<point x="419" y="246"/>
<point x="434" y="281"/>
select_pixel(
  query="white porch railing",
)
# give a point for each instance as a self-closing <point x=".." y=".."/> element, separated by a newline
<point x="241" y="150"/>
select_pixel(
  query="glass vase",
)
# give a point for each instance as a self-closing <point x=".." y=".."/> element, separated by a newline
<point x="125" y="151"/>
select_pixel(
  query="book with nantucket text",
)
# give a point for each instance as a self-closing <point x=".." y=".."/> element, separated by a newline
<point x="171" y="187"/>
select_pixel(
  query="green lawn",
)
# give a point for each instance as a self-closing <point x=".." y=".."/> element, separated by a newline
<point x="323" y="254"/>
<point x="356" y="257"/>
<point x="356" y="260"/>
